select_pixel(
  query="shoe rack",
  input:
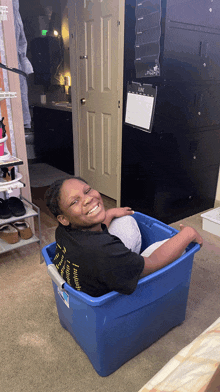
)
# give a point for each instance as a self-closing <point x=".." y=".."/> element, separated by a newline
<point x="31" y="211"/>
<point x="14" y="160"/>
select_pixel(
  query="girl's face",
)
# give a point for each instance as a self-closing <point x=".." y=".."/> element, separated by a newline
<point x="81" y="206"/>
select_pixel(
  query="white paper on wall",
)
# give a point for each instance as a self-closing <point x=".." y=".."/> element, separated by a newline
<point x="139" y="110"/>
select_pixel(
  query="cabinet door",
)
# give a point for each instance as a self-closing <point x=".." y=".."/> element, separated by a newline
<point x="170" y="176"/>
<point x="191" y="54"/>
<point x="196" y="12"/>
<point x="187" y="106"/>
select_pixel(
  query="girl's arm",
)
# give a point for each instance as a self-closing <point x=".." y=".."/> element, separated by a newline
<point x="170" y="250"/>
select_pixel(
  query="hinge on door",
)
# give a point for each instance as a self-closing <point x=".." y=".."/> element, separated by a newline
<point x="119" y="104"/>
<point x="118" y="22"/>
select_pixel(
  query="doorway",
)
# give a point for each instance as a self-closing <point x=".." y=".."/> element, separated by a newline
<point x="96" y="57"/>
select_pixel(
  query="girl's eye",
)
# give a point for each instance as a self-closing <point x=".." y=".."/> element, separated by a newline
<point x="74" y="202"/>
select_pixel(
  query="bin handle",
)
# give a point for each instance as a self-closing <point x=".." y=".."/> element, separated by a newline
<point x="55" y="276"/>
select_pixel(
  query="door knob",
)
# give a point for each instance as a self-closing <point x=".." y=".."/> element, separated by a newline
<point x="83" y="101"/>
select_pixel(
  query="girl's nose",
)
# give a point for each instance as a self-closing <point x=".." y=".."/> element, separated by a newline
<point x="87" y="200"/>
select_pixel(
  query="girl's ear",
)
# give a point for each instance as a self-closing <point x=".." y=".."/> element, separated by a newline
<point x="63" y="220"/>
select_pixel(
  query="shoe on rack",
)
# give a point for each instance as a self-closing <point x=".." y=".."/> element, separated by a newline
<point x="9" y="234"/>
<point x="16" y="206"/>
<point x="23" y="229"/>
<point x="5" y="213"/>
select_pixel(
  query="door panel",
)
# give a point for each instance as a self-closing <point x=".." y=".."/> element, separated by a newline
<point x="89" y="48"/>
<point x="91" y="142"/>
<point x="100" y="69"/>
<point x="106" y="144"/>
<point x="106" y="55"/>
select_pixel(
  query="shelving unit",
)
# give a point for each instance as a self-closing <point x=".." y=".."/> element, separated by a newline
<point x="13" y="120"/>
<point x="31" y="211"/>
<point x="3" y="12"/>
<point x="7" y="160"/>
<point x="6" y="186"/>
<point x="7" y="94"/>
<point x="10" y="187"/>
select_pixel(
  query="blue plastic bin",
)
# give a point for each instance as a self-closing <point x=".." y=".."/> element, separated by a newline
<point x="113" y="328"/>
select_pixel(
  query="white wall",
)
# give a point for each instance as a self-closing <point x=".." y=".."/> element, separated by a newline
<point x="217" y="197"/>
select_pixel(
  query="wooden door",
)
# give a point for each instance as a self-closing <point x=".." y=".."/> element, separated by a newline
<point x="96" y="27"/>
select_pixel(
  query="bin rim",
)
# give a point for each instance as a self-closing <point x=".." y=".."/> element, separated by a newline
<point x="98" y="301"/>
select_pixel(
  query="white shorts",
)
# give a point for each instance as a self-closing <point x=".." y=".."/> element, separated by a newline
<point x="126" y="228"/>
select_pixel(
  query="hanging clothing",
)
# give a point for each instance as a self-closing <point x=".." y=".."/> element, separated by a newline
<point x="23" y="62"/>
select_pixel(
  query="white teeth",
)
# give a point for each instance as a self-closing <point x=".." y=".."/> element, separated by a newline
<point x="93" y="210"/>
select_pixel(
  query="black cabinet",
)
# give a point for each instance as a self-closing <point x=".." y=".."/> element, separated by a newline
<point x="191" y="52"/>
<point x="187" y="106"/>
<point x="172" y="172"/>
<point x="197" y="12"/>
<point x="53" y="138"/>
<point x="169" y="176"/>
<point x="180" y="38"/>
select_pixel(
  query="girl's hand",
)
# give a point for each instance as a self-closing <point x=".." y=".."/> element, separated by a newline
<point x="117" y="213"/>
<point x="197" y="238"/>
<point x="122" y="211"/>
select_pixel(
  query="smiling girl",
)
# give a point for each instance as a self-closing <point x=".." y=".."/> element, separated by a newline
<point x="97" y="253"/>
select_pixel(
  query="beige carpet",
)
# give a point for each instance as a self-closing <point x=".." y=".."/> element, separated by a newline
<point x="38" y="355"/>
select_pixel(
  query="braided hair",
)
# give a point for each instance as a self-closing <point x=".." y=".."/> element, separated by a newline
<point x="52" y="195"/>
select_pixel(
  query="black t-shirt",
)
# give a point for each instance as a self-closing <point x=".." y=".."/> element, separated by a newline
<point x="96" y="262"/>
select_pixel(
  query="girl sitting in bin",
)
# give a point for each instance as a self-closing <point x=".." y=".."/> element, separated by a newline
<point x="97" y="253"/>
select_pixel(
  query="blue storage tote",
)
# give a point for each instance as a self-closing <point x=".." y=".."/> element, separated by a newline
<point x="113" y="328"/>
